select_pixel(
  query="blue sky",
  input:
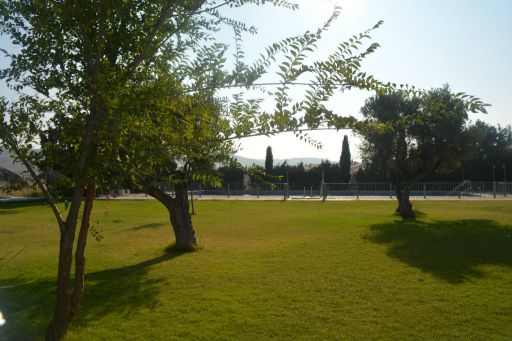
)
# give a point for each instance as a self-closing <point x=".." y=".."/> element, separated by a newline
<point x="426" y="43"/>
<point x="465" y="43"/>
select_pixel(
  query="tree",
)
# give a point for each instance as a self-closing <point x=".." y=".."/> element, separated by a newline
<point x="345" y="161"/>
<point x="412" y="137"/>
<point x="190" y="145"/>
<point x="494" y="148"/>
<point x="80" y="56"/>
<point x="242" y="118"/>
<point x="269" y="161"/>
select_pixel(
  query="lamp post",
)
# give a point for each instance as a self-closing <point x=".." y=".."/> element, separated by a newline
<point x="493" y="182"/>
<point x="505" y="178"/>
<point x="287" y="185"/>
<point x="322" y="183"/>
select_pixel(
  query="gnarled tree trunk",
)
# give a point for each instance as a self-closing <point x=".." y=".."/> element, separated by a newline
<point x="181" y="220"/>
<point x="404" y="204"/>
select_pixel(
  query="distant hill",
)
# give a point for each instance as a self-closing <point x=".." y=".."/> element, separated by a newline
<point x="292" y="161"/>
<point x="7" y="163"/>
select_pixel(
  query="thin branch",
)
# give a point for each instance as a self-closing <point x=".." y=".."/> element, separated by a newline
<point x="259" y="84"/>
<point x="211" y="8"/>
<point x="275" y="132"/>
<point x="164" y="14"/>
<point x="42" y="186"/>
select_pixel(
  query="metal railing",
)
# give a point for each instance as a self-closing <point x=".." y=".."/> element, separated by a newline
<point x="228" y="190"/>
<point x="469" y="189"/>
<point x="422" y="189"/>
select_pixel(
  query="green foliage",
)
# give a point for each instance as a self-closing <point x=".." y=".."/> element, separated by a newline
<point x="423" y="135"/>
<point x="167" y="136"/>
<point x="494" y="148"/>
<point x="231" y="172"/>
<point x="86" y="56"/>
<point x="197" y="79"/>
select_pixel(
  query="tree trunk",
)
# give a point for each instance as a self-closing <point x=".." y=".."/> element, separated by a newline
<point x="404" y="204"/>
<point x="67" y="303"/>
<point x="181" y="220"/>
<point x="78" y="290"/>
<point x="62" y="313"/>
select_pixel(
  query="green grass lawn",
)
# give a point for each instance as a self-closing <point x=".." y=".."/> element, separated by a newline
<point x="282" y="270"/>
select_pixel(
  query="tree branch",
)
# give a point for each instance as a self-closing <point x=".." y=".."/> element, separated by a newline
<point x="42" y="186"/>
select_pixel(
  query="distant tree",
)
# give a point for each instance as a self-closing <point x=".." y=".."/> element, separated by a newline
<point x="494" y="148"/>
<point x="409" y="138"/>
<point x="269" y="161"/>
<point x="230" y="173"/>
<point x="281" y="168"/>
<point x="345" y="161"/>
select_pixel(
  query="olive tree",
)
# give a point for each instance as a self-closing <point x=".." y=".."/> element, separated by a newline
<point x="194" y="127"/>
<point x="417" y="136"/>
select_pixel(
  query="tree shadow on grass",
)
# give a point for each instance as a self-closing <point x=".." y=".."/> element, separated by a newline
<point x="449" y="250"/>
<point x="28" y="305"/>
<point x="4" y="211"/>
<point x="12" y="207"/>
<point x="148" y="226"/>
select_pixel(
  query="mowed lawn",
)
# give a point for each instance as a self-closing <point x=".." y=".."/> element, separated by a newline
<point x="282" y="270"/>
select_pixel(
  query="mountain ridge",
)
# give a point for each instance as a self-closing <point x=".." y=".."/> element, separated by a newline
<point x="246" y="161"/>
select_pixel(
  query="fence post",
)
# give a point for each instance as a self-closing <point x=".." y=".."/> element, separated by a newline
<point x="258" y="191"/>
<point x="424" y="190"/>
<point x="324" y="191"/>
<point x="390" y="190"/>
<point x="304" y="192"/>
<point x="357" y="191"/>
<point x="494" y="189"/>
<point x="228" y="190"/>
<point x="311" y="192"/>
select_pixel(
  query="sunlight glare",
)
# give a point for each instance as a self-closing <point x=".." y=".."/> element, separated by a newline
<point x="348" y="7"/>
<point x="351" y="5"/>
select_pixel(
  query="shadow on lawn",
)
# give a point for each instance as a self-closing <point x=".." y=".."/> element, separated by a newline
<point x="148" y="226"/>
<point x="28" y="305"/>
<point x="10" y="207"/>
<point x="449" y="250"/>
